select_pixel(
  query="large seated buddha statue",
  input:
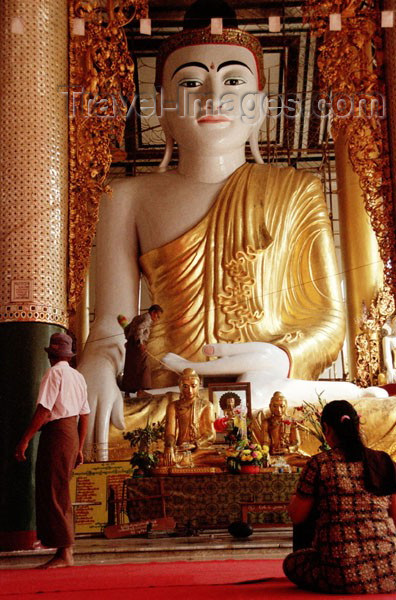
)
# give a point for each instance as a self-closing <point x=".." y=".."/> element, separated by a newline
<point x="239" y="255"/>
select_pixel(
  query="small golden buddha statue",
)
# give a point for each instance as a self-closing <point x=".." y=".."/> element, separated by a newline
<point x="188" y="420"/>
<point x="279" y="433"/>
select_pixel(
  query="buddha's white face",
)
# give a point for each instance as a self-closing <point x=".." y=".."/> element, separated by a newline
<point x="210" y="98"/>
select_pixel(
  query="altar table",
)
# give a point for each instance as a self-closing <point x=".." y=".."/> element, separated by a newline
<point x="212" y="501"/>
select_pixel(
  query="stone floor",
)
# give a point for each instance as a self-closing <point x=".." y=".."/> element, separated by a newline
<point x="214" y="545"/>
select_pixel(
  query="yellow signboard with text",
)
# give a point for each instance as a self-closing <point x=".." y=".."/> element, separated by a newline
<point x="91" y="487"/>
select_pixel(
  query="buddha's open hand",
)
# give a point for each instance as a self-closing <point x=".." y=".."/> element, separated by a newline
<point x="106" y="404"/>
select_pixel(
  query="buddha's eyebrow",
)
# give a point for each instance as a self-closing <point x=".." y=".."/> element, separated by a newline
<point x="190" y="64"/>
<point x="233" y="62"/>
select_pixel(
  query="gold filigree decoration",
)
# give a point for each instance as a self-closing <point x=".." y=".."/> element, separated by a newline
<point x="291" y="337"/>
<point x="350" y="66"/>
<point x="100" y="86"/>
<point x="368" y="342"/>
<point x="236" y="301"/>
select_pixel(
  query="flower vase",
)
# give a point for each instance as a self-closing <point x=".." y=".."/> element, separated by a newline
<point x="250" y="469"/>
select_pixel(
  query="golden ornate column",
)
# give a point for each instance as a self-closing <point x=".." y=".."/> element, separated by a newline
<point x="390" y="72"/>
<point x="101" y="84"/>
<point x="350" y="62"/>
<point x="101" y="80"/>
<point x="33" y="233"/>
<point x="362" y="264"/>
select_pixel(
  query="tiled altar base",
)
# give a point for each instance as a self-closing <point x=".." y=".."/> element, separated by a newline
<point x="264" y="543"/>
<point x="212" y="501"/>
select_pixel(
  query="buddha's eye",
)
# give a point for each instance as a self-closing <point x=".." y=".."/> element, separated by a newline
<point x="234" y="81"/>
<point x="190" y="83"/>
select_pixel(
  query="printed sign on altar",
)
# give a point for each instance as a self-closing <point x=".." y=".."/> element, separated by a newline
<point x="91" y="487"/>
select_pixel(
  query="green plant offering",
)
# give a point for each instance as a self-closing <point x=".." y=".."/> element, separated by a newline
<point x="143" y="437"/>
<point x="310" y="420"/>
<point x="144" y="459"/>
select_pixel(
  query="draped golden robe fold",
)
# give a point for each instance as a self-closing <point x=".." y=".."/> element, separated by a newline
<point x="260" y="266"/>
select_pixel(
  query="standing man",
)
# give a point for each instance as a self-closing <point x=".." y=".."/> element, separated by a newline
<point x="62" y="416"/>
<point x="137" y="374"/>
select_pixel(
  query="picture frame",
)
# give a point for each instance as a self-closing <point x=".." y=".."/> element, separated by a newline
<point x="220" y="395"/>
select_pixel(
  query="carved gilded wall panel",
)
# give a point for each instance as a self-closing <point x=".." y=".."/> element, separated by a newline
<point x="368" y="342"/>
<point x="352" y="80"/>
<point x="351" y="69"/>
<point x="101" y="85"/>
<point x="390" y="62"/>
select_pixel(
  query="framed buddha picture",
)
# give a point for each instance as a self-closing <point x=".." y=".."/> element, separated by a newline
<point x="232" y="408"/>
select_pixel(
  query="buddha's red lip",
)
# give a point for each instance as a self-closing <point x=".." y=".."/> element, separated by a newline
<point x="213" y="119"/>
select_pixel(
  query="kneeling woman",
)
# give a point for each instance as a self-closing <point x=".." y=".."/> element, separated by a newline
<point x="352" y="489"/>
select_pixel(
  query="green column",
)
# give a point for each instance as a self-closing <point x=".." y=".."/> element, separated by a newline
<point x="33" y="232"/>
<point x="23" y="362"/>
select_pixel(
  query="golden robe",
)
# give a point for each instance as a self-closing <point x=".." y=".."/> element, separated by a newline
<point x="260" y="266"/>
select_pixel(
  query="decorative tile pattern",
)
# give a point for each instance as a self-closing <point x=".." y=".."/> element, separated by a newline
<point x="34" y="166"/>
<point x="208" y="501"/>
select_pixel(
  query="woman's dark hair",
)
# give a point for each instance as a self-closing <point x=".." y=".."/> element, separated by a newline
<point x="344" y="420"/>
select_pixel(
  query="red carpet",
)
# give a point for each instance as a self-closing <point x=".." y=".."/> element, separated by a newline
<point x="215" y="580"/>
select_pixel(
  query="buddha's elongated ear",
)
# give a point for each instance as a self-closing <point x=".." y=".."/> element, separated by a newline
<point x="169" y="141"/>
<point x="254" y="136"/>
<point x="254" y="146"/>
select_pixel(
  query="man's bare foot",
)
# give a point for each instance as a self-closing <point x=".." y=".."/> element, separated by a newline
<point x="62" y="558"/>
<point x="55" y="563"/>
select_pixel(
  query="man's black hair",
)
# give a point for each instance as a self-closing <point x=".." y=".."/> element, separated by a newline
<point x="155" y="308"/>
